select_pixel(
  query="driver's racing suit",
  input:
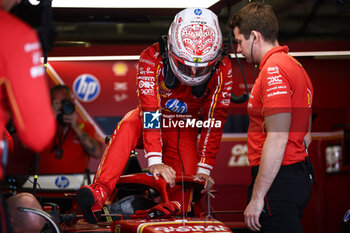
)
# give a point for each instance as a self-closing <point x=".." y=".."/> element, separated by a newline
<point x="171" y="138"/>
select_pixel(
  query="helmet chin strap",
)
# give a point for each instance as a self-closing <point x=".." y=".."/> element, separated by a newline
<point x="170" y="80"/>
<point x="198" y="91"/>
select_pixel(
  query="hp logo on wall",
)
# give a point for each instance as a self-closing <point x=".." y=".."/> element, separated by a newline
<point x="62" y="182"/>
<point x="86" y="87"/>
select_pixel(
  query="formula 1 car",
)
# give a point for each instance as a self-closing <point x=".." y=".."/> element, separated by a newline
<point x="139" y="192"/>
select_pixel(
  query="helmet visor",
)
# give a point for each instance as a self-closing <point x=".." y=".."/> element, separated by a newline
<point x="192" y="69"/>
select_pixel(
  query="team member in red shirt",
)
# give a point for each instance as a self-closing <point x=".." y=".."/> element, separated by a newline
<point x="279" y="108"/>
<point x="75" y="140"/>
<point x="177" y="82"/>
<point x="24" y="94"/>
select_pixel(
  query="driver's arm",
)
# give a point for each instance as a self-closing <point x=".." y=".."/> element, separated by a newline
<point x="147" y="92"/>
<point x="215" y="109"/>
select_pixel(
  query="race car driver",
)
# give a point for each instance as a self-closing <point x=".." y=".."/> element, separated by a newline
<point x="183" y="85"/>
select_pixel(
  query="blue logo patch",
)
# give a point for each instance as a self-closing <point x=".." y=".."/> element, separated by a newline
<point x="62" y="182"/>
<point x="86" y="87"/>
<point x="176" y="106"/>
<point x="197" y="11"/>
<point x="151" y="120"/>
<point x="347" y="216"/>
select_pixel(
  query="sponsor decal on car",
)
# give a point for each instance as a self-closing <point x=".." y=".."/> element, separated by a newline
<point x="177" y="226"/>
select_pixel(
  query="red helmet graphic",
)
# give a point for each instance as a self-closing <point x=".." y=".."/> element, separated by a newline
<point x="194" y="45"/>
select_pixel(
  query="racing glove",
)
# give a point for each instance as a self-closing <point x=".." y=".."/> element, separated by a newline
<point x="162" y="210"/>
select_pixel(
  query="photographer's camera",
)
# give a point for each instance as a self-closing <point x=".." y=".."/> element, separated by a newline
<point x="67" y="108"/>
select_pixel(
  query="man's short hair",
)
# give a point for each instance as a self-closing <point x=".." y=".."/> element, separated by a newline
<point x="57" y="88"/>
<point x="256" y="16"/>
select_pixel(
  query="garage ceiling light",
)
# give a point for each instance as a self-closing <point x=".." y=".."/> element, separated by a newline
<point x="132" y="3"/>
<point x="326" y="54"/>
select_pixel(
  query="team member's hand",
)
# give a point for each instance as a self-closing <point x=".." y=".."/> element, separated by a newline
<point x="165" y="171"/>
<point x="209" y="182"/>
<point x="252" y="214"/>
<point x="71" y="119"/>
<point x="56" y="107"/>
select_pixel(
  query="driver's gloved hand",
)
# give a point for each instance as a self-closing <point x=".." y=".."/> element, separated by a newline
<point x="162" y="210"/>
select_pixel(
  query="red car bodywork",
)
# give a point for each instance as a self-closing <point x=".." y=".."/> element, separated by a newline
<point x="200" y="222"/>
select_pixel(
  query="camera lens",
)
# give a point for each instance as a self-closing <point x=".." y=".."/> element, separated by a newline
<point x="67" y="107"/>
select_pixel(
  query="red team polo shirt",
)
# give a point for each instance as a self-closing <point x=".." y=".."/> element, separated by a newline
<point x="74" y="159"/>
<point x="282" y="86"/>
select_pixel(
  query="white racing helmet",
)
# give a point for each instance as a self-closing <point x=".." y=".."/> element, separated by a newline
<point x="194" y="45"/>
